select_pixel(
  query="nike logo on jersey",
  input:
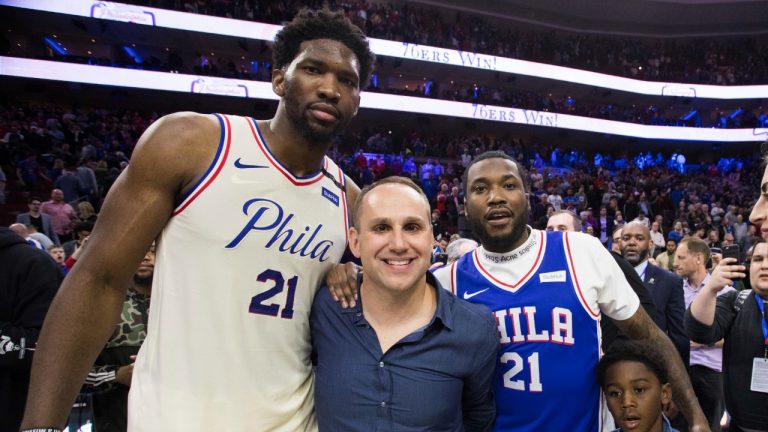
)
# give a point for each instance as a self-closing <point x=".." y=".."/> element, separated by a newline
<point x="555" y="276"/>
<point x="468" y="296"/>
<point x="241" y="165"/>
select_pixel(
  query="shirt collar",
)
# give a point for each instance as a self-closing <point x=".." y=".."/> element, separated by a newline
<point x="534" y="236"/>
<point x="640" y="268"/>
<point x="701" y="285"/>
<point x="444" y="309"/>
<point x="443" y="300"/>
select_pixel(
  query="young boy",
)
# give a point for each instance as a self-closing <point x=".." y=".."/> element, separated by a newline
<point x="636" y="387"/>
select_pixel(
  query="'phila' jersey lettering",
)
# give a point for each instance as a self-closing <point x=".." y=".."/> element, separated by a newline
<point x="238" y="265"/>
<point x="550" y="340"/>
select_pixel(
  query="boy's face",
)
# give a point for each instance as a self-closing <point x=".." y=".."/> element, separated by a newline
<point x="635" y="396"/>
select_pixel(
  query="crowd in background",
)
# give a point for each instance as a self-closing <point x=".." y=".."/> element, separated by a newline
<point x="727" y="61"/>
<point x="612" y="55"/>
<point x="51" y="146"/>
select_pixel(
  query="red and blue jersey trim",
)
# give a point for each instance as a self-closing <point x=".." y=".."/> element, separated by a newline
<point x="503" y="285"/>
<point x="298" y="181"/>
<point x="343" y="181"/>
<point x="222" y="152"/>
<point x="575" y="278"/>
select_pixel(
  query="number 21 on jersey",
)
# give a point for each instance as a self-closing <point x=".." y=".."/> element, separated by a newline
<point x="260" y="302"/>
<point x="517" y="367"/>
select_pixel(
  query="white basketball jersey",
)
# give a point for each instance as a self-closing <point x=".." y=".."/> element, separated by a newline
<point x="228" y="344"/>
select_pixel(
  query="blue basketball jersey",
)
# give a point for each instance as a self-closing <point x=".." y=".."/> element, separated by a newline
<point x="550" y="342"/>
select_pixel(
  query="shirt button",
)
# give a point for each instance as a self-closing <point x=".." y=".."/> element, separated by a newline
<point x="383" y="404"/>
<point x="381" y="364"/>
<point x="359" y="314"/>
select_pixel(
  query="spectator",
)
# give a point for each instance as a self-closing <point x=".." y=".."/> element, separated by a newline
<point x="70" y="185"/>
<point x="61" y="213"/>
<point x="110" y="378"/>
<point x="657" y="239"/>
<point x="737" y="318"/>
<point x="666" y="259"/>
<point x="459" y="247"/>
<point x="706" y="361"/>
<point x="740" y="228"/>
<point x="28" y="281"/>
<point x="57" y="253"/>
<point x="604" y="226"/>
<point x="677" y="233"/>
<point x="86" y="212"/>
<point x="40" y="220"/>
<point x="665" y="287"/>
<point x="22" y="231"/>
<point x="636" y="387"/>
<point x="82" y="231"/>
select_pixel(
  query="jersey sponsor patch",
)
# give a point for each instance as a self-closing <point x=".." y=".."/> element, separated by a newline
<point x="555" y="276"/>
<point x="330" y="196"/>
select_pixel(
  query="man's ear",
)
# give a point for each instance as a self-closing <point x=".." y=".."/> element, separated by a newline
<point x="354" y="242"/>
<point x="278" y="82"/>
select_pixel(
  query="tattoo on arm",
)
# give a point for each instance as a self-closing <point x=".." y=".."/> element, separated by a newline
<point x="640" y="326"/>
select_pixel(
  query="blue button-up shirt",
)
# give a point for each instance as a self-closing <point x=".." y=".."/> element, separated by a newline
<point x="438" y="378"/>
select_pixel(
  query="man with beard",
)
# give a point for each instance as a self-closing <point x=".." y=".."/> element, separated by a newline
<point x="110" y="377"/>
<point x="665" y="286"/>
<point x="548" y="291"/>
<point x="249" y="216"/>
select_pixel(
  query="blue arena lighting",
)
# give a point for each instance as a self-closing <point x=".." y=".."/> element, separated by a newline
<point x="123" y="77"/>
<point x="690" y="116"/>
<point x="142" y="15"/>
<point x="55" y="46"/>
<point x="134" y="54"/>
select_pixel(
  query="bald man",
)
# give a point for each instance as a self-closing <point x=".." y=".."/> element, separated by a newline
<point x="23" y="232"/>
<point x="665" y="287"/>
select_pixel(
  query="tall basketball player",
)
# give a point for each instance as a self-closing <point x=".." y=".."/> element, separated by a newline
<point x="548" y="291"/>
<point x="249" y="215"/>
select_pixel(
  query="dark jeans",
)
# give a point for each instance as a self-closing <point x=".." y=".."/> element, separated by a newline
<point x="708" y="386"/>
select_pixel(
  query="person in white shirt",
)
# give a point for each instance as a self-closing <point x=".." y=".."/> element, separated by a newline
<point x="657" y="239"/>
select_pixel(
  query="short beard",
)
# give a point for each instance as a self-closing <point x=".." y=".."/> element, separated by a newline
<point x="145" y="281"/>
<point x="641" y="257"/>
<point x="504" y="243"/>
<point x="299" y="121"/>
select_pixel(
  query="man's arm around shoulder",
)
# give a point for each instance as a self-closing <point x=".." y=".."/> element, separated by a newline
<point x="170" y="156"/>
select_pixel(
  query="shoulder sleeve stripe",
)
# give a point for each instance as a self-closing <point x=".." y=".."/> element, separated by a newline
<point x="343" y="179"/>
<point x="576" y="278"/>
<point x="225" y="141"/>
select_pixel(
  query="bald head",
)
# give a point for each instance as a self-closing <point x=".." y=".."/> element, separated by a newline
<point x="20" y="229"/>
<point x="57" y="195"/>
